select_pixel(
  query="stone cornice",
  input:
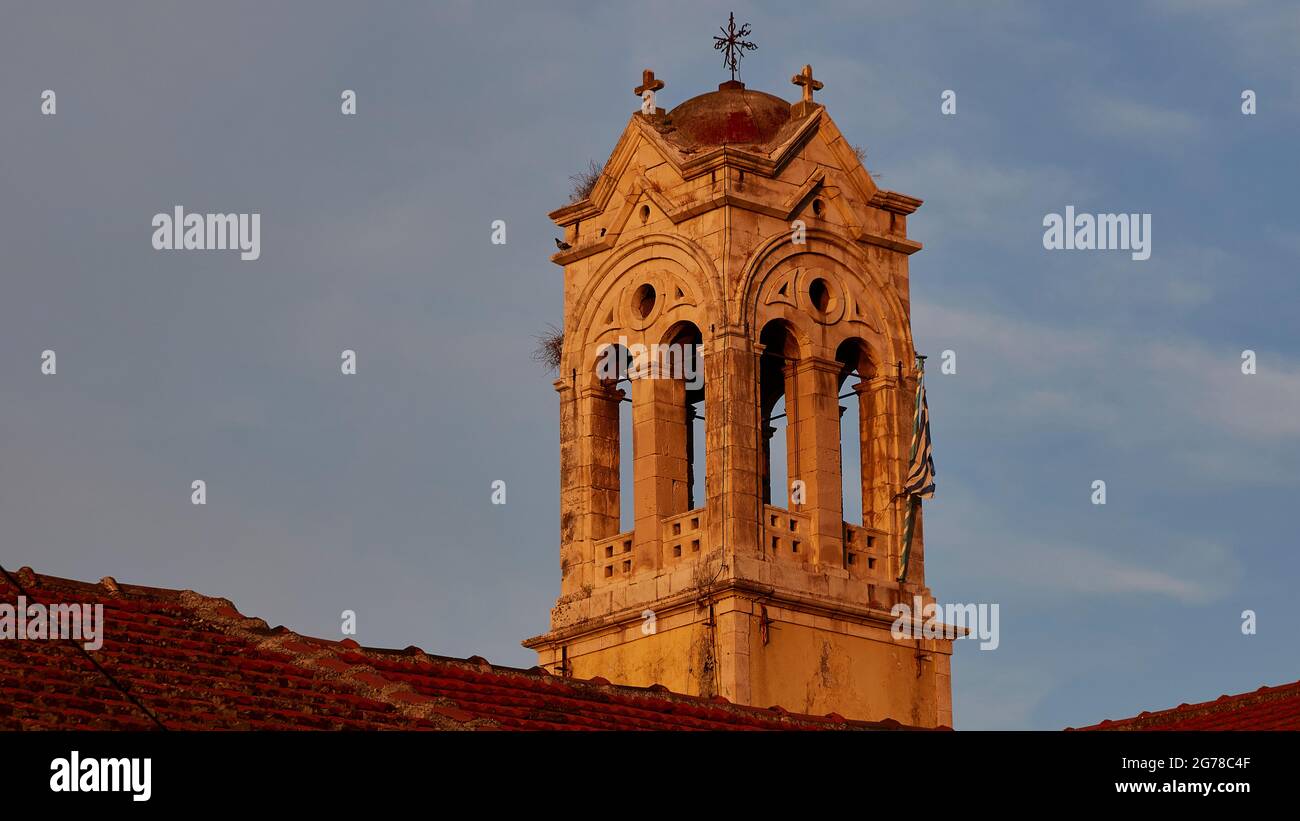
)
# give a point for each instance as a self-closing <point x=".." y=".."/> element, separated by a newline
<point x="895" y="202"/>
<point x="621" y="619"/>
<point x="689" y="166"/>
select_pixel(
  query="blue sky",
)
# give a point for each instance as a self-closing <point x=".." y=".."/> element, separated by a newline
<point x="371" y="492"/>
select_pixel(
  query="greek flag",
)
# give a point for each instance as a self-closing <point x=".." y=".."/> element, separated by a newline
<point x="920" y="475"/>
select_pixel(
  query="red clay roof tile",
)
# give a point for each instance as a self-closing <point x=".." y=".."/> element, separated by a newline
<point x="185" y="661"/>
<point x="1268" y="708"/>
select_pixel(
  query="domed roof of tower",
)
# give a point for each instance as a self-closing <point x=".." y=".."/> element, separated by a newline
<point x="731" y="115"/>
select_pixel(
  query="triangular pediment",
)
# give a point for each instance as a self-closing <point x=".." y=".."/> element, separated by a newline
<point x="837" y="181"/>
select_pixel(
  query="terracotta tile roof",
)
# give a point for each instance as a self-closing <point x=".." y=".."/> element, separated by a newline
<point x="731" y="115"/>
<point x="185" y="661"/>
<point x="1268" y="708"/>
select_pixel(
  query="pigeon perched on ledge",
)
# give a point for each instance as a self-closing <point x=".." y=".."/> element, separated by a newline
<point x="562" y="245"/>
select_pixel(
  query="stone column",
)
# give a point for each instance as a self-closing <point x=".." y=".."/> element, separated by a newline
<point x="659" y="462"/>
<point x="574" y="502"/>
<point x="589" y="491"/>
<point x="904" y="413"/>
<point x="916" y="561"/>
<point x="732" y="445"/>
<point x="817" y="428"/>
<point x="732" y="634"/>
<point x="597" y="443"/>
<point x="876" y="441"/>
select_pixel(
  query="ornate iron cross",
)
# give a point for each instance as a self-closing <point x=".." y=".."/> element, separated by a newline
<point x="732" y="45"/>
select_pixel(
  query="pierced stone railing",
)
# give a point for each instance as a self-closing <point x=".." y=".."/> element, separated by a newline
<point x="614" y="558"/>
<point x="683" y="536"/>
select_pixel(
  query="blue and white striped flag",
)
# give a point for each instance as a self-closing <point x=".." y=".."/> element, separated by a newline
<point x="920" y="474"/>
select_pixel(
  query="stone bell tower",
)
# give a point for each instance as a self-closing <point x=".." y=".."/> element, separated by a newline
<point x="748" y="226"/>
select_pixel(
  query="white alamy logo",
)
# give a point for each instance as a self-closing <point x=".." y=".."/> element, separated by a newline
<point x="951" y="621"/>
<point x="661" y="360"/>
<point x="179" y="231"/>
<point x="130" y="775"/>
<point x="36" y="622"/>
<point x="1100" y="232"/>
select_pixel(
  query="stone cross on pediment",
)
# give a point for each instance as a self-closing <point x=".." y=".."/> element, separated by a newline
<point x="646" y="91"/>
<point x="805" y="79"/>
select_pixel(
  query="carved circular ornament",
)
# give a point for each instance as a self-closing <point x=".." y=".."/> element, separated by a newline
<point x="820" y="295"/>
<point x="643" y="302"/>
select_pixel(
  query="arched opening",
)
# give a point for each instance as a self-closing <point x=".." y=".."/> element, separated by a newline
<point x="683" y="360"/>
<point x="776" y="446"/>
<point x="626" y="461"/>
<point x="854" y="360"/>
<point x="776" y="367"/>
<point x="613" y="445"/>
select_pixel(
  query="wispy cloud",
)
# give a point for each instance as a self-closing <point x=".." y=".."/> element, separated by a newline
<point x="1263" y="406"/>
<point x="1166" y="406"/>
<point x="987" y="200"/>
<point x="1134" y="121"/>
<point x="1040" y="369"/>
<point x="1037" y="558"/>
<point x="1260" y="34"/>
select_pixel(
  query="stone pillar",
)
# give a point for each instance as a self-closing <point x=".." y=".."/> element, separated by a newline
<point x="916" y="560"/>
<point x="904" y="413"/>
<point x="877" y="435"/>
<point x="574" y="502"/>
<point x="589" y="487"/>
<point x="817" y="428"/>
<point x="887" y="406"/>
<point x="599" y="446"/>
<point x="732" y="635"/>
<point x="659" y="462"/>
<point x="732" y="445"/>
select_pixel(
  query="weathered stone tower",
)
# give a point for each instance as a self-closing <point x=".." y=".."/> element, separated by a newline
<point x="748" y="225"/>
